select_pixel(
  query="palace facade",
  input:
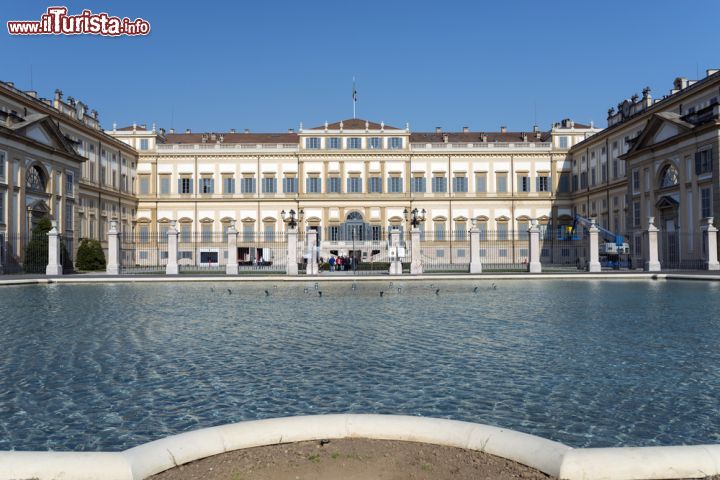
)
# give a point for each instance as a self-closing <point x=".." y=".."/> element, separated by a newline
<point x="656" y="158"/>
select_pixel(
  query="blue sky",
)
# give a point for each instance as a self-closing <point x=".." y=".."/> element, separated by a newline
<point x="268" y="66"/>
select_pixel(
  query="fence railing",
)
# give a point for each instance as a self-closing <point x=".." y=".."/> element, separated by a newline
<point x="141" y="253"/>
<point x="445" y="251"/>
<point x="678" y="250"/>
<point x="29" y="253"/>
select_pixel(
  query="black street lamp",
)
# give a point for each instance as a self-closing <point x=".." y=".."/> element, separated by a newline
<point x="292" y="222"/>
<point x="417" y="216"/>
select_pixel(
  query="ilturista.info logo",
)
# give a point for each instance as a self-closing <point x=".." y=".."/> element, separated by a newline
<point x="56" y="21"/>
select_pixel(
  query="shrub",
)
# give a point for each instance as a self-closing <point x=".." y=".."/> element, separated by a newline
<point x="90" y="256"/>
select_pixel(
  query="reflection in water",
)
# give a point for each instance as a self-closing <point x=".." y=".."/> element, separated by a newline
<point x="89" y="367"/>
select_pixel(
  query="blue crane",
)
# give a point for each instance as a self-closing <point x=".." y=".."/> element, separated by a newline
<point x="609" y="236"/>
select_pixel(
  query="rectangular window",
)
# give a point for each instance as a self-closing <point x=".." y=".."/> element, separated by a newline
<point x="592" y="176"/>
<point x="2" y="211"/>
<point x="460" y="184"/>
<point x="228" y="185"/>
<point x="705" y="203"/>
<point x="247" y="185"/>
<point x="375" y="185"/>
<point x="502" y="231"/>
<point x="501" y="179"/>
<point x="290" y="185"/>
<point x="185" y="255"/>
<point x="354" y="185"/>
<point x="615" y="168"/>
<point x="185" y="185"/>
<point x="248" y="231"/>
<point x="143" y="144"/>
<point x="563" y="142"/>
<point x="703" y="161"/>
<point x="583" y="179"/>
<point x="636" y="213"/>
<point x="333" y="185"/>
<point x="68" y="216"/>
<point x="563" y="183"/>
<point x="206" y="232"/>
<point x="395" y="185"/>
<point x="375" y="143"/>
<point x="395" y="143"/>
<point x="69" y="184"/>
<point x="439" y="184"/>
<point x="334" y="233"/>
<point x="481" y="182"/>
<point x="269" y="185"/>
<point x="439" y="231"/>
<point x="461" y="231"/>
<point x="144" y="185"/>
<point x="636" y="181"/>
<point x="543" y="183"/>
<point x="354" y="143"/>
<point x="418" y="185"/>
<point x="207" y="185"/>
<point x="2" y="165"/>
<point x="313" y="185"/>
<point x="312" y="143"/>
<point x="376" y="232"/>
<point x="333" y="143"/>
<point x="144" y="233"/>
<point x="523" y="182"/>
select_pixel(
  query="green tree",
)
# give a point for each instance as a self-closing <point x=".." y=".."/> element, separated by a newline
<point x="90" y="255"/>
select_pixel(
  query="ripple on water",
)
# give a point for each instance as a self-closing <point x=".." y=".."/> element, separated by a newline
<point x="105" y="367"/>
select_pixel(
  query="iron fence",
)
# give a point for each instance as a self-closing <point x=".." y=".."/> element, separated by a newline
<point x="679" y="250"/>
<point x="143" y="253"/>
<point x="447" y="251"/>
<point x="259" y="253"/>
<point x="504" y="251"/>
<point x="365" y="254"/>
<point x="29" y="253"/>
<point x="564" y="252"/>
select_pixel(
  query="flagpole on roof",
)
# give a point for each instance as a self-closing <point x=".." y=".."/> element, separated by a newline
<point x="354" y="96"/>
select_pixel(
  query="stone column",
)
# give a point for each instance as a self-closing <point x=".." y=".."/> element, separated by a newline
<point x="652" y="262"/>
<point x="292" y="260"/>
<point x="534" y="232"/>
<point x="113" y="260"/>
<point x="172" y="264"/>
<point x="416" y="265"/>
<point x="395" y="262"/>
<point x="710" y="232"/>
<point x="594" y="265"/>
<point x="54" y="267"/>
<point x="311" y="245"/>
<point x="475" y="263"/>
<point x="231" y="268"/>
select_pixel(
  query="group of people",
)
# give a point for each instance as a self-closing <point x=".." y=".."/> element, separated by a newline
<point x="340" y="263"/>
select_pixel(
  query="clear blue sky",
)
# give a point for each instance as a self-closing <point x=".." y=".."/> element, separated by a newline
<point x="268" y="66"/>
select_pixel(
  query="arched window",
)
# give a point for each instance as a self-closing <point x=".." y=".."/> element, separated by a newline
<point x="35" y="179"/>
<point x="669" y="177"/>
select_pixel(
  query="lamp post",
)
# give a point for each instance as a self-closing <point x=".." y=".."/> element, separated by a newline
<point x="290" y="217"/>
<point x="417" y="216"/>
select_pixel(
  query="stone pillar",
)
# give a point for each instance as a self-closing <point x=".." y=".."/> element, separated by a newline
<point x="54" y="267"/>
<point x="231" y="268"/>
<point x="395" y="262"/>
<point x="711" y="257"/>
<point x="652" y="262"/>
<point x="172" y="265"/>
<point x="113" y="260"/>
<point x="475" y="263"/>
<point x="594" y="265"/>
<point x="534" y="233"/>
<point x="292" y="260"/>
<point x="416" y="265"/>
<point x="311" y="246"/>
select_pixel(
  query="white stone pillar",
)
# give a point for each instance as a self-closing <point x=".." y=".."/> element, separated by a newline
<point x="172" y="261"/>
<point x="395" y="262"/>
<point x="652" y="262"/>
<point x="534" y="233"/>
<point x="311" y="246"/>
<point x="710" y="232"/>
<point x="231" y="268"/>
<point x="54" y="267"/>
<point x="292" y="260"/>
<point x="475" y="263"/>
<point x="416" y="265"/>
<point x="594" y="265"/>
<point x="113" y="260"/>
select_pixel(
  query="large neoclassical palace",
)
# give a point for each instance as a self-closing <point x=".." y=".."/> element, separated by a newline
<point x="657" y="157"/>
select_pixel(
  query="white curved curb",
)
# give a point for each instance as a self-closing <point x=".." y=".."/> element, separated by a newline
<point x="545" y="455"/>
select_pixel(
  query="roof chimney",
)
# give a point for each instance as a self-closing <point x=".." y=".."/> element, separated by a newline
<point x="172" y="130"/>
<point x="247" y="130"/>
<point x="187" y="130"/>
<point x="438" y="129"/>
<point x="291" y="130"/>
<point x="232" y="130"/>
<point x="10" y="84"/>
<point x="503" y="129"/>
<point x="466" y="129"/>
<point x="32" y="93"/>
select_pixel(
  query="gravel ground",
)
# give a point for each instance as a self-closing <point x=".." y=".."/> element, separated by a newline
<point x="352" y="459"/>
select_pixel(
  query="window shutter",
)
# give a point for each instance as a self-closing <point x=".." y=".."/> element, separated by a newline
<point x="537" y="184"/>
